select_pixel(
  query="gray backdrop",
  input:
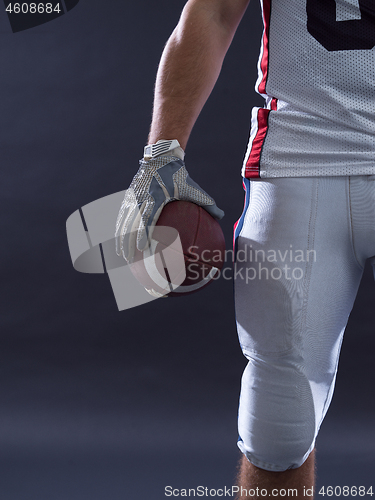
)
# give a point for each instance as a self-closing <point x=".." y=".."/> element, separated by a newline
<point x="96" y="403"/>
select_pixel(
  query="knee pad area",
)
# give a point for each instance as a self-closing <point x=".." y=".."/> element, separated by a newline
<point x="276" y="420"/>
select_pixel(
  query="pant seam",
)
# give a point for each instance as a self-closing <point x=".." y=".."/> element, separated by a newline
<point x="310" y="245"/>
<point x="351" y="224"/>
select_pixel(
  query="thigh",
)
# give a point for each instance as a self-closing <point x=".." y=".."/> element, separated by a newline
<point x="296" y="272"/>
<point x="296" y="278"/>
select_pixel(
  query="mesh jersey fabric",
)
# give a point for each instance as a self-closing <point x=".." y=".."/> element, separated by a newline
<point x="316" y="71"/>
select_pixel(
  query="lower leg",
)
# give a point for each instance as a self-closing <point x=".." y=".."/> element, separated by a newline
<point x="299" y="481"/>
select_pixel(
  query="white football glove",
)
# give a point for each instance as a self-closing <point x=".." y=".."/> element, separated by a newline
<point x="161" y="178"/>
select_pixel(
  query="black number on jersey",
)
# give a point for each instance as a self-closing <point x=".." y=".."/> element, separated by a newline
<point x="353" y="34"/>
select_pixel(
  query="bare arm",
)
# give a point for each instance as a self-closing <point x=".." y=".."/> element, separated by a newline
<point x="188" y="70"/>
<point x="190" y="65"/>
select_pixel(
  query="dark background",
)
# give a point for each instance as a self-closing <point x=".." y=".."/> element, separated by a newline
<point x="101" y="404"/>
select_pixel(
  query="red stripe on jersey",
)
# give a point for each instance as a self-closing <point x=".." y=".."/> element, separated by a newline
<point x="252" y="168"/>
<point x="264" y="60"/>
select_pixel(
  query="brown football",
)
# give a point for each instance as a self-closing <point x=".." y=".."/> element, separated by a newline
<point x="178" y="266"/>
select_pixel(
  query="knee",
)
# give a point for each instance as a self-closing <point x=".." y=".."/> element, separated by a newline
<point x="276" y="420"/>
<point x="276" y="456"/>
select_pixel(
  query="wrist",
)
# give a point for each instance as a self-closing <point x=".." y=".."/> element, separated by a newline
<point x="163" y="148"/>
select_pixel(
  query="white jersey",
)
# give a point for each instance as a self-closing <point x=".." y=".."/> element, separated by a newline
<point x="317" y="74"/>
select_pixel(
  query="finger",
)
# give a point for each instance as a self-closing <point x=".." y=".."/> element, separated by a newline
<point x="151" y="212"/>
<point x="127" y="214"/>
<point x="214" y="210"/>
<point x="131" y="228"/>
<point x="119" y="225"/>
<point x="204" y="199"/>
<point x="144" y="241"/>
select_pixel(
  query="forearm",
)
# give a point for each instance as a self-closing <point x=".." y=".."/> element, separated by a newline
<point x="190" y="65"/>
